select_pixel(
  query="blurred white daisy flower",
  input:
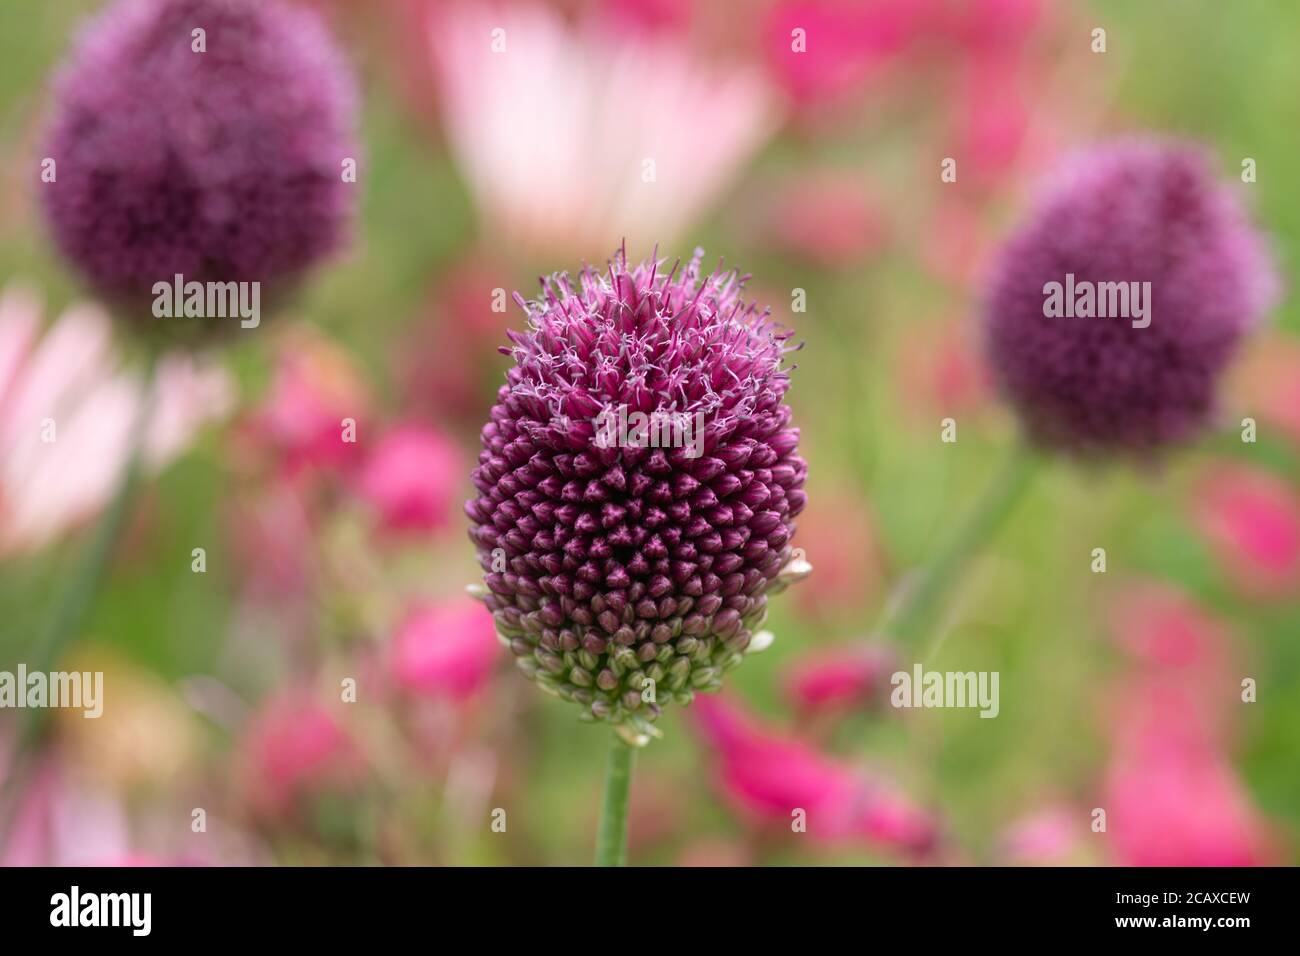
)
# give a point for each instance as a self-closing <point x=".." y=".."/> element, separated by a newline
<point x="576" y="137"/>
<point x="68" y="410"/>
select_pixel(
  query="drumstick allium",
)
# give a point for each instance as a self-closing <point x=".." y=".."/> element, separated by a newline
<point x="1137" y="218"/>
<point x="1111" y="315"/>
<point x="638" y="484"/>
<point x="201" y="138"/>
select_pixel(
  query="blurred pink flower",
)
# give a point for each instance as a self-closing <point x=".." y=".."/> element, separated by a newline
<point x="1252" y="520"/>
<point x="767" y="778"/>
<point x="68" y="410"/>
<point x="625" y="134"/>
<point x="1171" y="795"/>
<point x="995" y="79"/>
<point x="445" y="649"/>
<point x="1174" y="688"/>
<point x="992" y="118"/>
<point x="840" y="679"/>
<point x="314" y="387"/>
<point x="844" y="44"/>
<point x="1170" y="804"/>
<point x="1161" y="626"/>
<point x="293" y="749"/>
<point x="412" y="479"/>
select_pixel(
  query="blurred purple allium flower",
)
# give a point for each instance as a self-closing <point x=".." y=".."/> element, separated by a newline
<point x="222" y="165"/>
<point x="609" y="564"/>
<point x="1131" y="212"/>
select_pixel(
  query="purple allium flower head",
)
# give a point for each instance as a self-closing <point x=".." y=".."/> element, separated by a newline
<point x="222" y="165"/>
<point x="616" y="554"/>
<point x="1130" y="212"/>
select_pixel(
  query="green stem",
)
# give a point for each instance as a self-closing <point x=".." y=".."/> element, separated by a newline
<point x="71" y="611"/>
<point x="611" y="837"/>
<point x="921" y="596"/>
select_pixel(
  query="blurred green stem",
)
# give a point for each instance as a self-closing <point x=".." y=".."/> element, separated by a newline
<point x="70" y="613"/>
<point x="611" y="837"/>
<point x="922" y="595"/>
